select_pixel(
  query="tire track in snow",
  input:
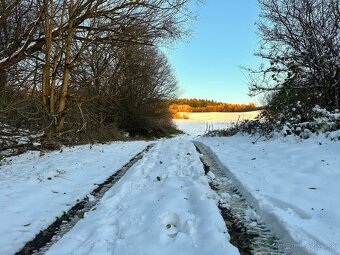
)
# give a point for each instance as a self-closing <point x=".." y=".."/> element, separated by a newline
<point x="48" y="236"/>
<point x="247" y="232"/>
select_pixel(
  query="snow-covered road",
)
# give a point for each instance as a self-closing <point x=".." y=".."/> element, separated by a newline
<point x="163" y="205"/>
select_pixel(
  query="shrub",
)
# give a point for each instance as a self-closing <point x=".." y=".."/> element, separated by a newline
<point x="316" y="121"/>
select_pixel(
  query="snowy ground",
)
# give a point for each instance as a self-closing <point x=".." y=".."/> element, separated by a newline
<point x="163" y="205"/>
<point x="289" y="181"/>
<point x="200" y="127"/>
<point x="296" y="181"/>
<point x="14" y="140"/>
<point x="200" y="123"/>
<point x="35" y="189"/>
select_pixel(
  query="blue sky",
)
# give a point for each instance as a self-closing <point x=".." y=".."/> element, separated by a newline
<point x="223" y="39"/>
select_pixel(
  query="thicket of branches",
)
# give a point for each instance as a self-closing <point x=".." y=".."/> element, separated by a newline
<point x="76" y="66"/>
<point x="300" y="46"/>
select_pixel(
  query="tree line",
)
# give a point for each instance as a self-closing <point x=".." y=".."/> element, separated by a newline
<point x="194" y="102"/>
<point x="203" y="105"/>
<point x="81" y="66"/>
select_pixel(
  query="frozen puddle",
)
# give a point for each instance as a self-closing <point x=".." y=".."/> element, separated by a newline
<point x="162" y="205"/>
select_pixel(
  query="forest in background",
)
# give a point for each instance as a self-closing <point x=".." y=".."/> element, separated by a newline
<point x="203" y="105"/>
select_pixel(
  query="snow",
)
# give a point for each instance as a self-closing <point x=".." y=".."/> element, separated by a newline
<point x="163" y="205"/>
<point x="292" y="182"/>
<point x="199" y="123"/>
<point x="35" y="189"/>
<point x="198" y="127"/>
<point x="11" y="138"/>
<point x="221" y="116"/>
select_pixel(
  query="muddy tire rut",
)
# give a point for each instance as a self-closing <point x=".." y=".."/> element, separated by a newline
<point x="48" y="236"/>
<point x="247" y="232"/>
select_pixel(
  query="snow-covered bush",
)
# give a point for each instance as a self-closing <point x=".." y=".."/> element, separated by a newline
<point x="322" y="121"/>
<point x="252" y="127"/>
<point x="316" y="121"/>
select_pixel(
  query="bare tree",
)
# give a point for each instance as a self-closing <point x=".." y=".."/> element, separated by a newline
<point x="108" y="20"/>
<point x="19" y="27"/>
<point x="126" y="87"/>
<point x="300" y="39"/>
<point x="16" y="26"/>
<point x="57" y="33"/>
<point x="146" y="82"/>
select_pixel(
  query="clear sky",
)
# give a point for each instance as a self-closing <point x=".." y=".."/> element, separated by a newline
<point x="224" y="38"/>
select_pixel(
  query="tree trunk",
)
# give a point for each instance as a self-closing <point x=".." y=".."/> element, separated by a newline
<point x="66" y="74"/>
<point x="48" y="45"/>
<point x="3" y="80"/>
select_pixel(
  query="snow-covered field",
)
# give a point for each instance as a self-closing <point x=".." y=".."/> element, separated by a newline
<point x="200" y="127"/>
<point x="221" y="116"/>
<point x="200" y="123"/>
